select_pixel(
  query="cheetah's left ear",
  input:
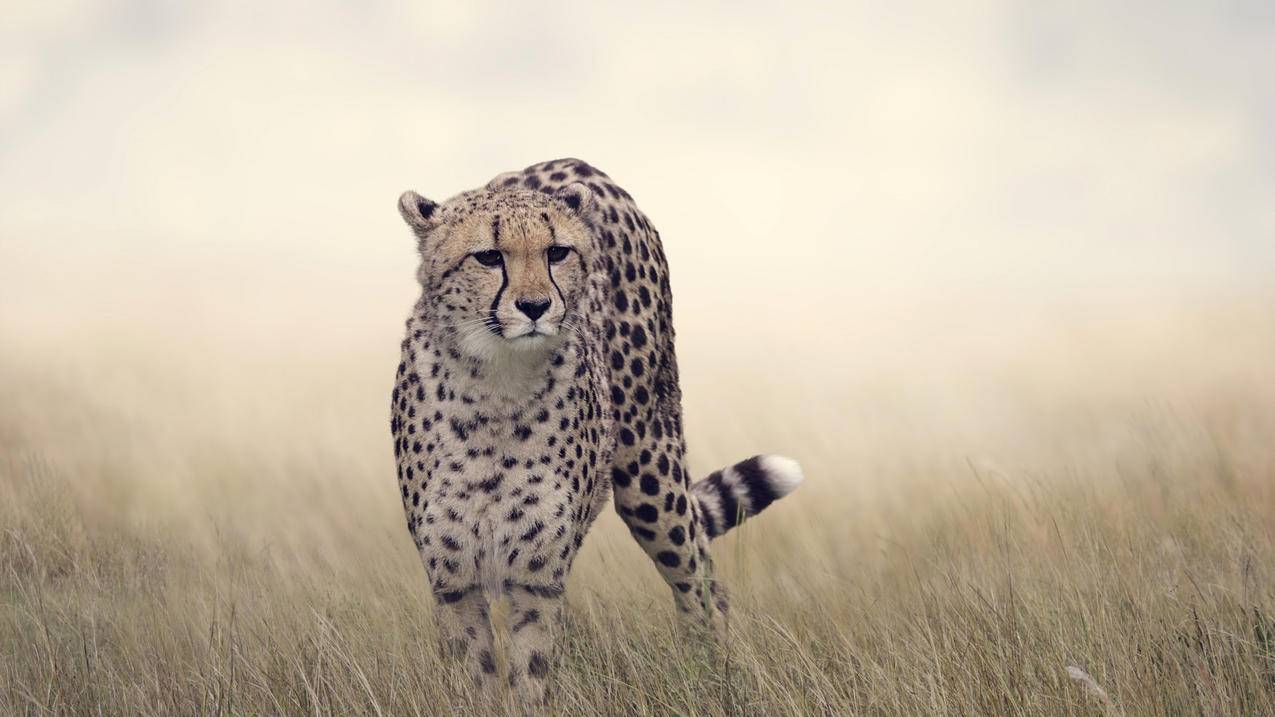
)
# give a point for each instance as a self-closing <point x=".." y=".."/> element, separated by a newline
<point x="578" y="197"/>
<point x="420" y="213"/>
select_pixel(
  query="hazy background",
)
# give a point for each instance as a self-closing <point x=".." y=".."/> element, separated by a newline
<point x="923" y="214"/>
<point x="1001" y="276"/>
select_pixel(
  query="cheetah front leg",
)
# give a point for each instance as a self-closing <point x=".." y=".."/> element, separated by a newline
<point x="535" y="613"/>
<point x="652" y="496"/>
<point x="464" y="629"/>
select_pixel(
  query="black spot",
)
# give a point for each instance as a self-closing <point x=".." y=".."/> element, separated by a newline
<point x="536" y="563"/>
<point x="533" y="531"/>
<point x="641" y="396"/>
<point x="650" y="485"/>
<point x="647" y="512"/>
<point x="626" y="436"/>
<point x="458" y="428"/>
<point x="544" y="591"/>
<point x="486" y="662"/>
<point x="538" y="666"/>
<point x="669" y="558"/>
<point x="677" y="535"/>
<point x="528" y="618"/>
<point x="620" y="478"/>
<point x="455" y="648"/>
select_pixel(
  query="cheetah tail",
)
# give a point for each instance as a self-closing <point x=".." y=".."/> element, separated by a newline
<point x="731" y="495"/>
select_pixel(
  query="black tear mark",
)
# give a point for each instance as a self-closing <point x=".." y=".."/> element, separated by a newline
<point x="493" y="323"/>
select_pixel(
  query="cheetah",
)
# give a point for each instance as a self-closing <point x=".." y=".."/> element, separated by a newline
<point x="537" y="378"/>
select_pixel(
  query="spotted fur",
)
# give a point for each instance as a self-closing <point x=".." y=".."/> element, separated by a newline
<point x="537" y="377"/>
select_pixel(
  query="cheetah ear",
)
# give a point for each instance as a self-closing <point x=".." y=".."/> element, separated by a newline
<point x="420" y="213"/>
<point x="505" y="181"/>
<point x="578" y="198"/>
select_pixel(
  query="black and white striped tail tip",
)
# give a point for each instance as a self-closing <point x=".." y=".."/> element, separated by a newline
<point x="731" y="495"/>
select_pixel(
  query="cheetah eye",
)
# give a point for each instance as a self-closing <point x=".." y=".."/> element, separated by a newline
<point x="491" y="257"/>
<point x="558" y="253"/>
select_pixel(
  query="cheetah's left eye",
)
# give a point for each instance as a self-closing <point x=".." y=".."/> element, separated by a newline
<point x="491" y="257"/>
<point x="557" y="253"/>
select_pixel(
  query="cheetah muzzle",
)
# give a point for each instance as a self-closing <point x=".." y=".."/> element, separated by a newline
<point x="538" y="376"/>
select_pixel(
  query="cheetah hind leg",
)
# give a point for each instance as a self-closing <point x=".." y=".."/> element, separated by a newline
<point x="674" y="522"/>
<point x="653" y="498"/>
<point x="727" y="497"/>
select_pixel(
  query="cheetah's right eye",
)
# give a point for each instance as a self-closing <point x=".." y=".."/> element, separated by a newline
<point x="491" y="257"/>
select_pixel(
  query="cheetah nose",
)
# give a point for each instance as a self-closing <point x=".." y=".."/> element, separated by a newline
<point x="533" y="308"/>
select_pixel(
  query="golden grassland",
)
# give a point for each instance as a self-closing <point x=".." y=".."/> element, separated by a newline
<point x="1072" y="520"/>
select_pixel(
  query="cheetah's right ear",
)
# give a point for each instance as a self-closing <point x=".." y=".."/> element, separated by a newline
<point x="505" y="181"/>
<point x="420" y="213"/>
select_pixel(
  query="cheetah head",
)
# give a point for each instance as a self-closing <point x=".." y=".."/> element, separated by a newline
<point x="503" y="270"/>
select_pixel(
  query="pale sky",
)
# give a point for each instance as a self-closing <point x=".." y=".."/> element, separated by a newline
<point x="242" y="160"/>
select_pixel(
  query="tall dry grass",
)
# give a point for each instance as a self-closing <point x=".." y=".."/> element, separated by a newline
<point x="1075" y="519"/>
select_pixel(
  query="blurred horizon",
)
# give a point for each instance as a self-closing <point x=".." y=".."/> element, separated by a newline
<point x="848" y="187"/>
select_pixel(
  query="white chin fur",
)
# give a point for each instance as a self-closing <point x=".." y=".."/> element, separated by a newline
<point x="785" y="473"/>
<point x="528" y="344"/>
<point x="483" y="345"/>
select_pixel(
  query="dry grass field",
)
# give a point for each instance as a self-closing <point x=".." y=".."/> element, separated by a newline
<point x="1000" y="275"/>
<point x="212" y="527"/>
